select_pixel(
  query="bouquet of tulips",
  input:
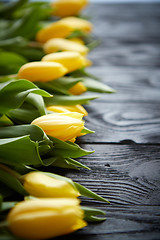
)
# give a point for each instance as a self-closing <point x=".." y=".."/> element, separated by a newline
<point x="43" y="84"/>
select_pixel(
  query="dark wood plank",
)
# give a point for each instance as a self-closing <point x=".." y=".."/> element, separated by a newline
<point x="129" y="177"/>
<point x="123" y="223"/>
<point x="117" y="54"/>
<point x="119" y="122"/>
<point x="124" y="174"/>
<point x="132" y="84"/>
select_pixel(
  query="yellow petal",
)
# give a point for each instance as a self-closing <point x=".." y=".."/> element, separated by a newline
<point x="69" y="59"/>
<point x="39" y="185"/>
<point x="60" y="44"/>
<point x="78" y="89"/>
<point x="42" y="71"/>
<point x="72" y="108"/>
<point x="63" y="8"/>
<point x="77" y="23"/>
<point x="63" y="126"/>
<point x="45" y="218"/>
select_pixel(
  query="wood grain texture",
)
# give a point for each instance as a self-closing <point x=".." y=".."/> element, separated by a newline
<point x="119" y="122"/>
<point x="125" y="167"/>
<point x="124" y="174"/>
<point x="131" y="84"/>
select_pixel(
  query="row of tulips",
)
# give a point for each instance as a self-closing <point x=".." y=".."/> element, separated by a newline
<point x="40" y="118"/>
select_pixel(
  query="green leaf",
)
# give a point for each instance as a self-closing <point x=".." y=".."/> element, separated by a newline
<point x="35" y="133"/>
<point x="12" y="182"/>
<point x="13" y="94"/>
<point x="8" y="8"/>
<point x="10" y="62"/>
<point x="69" y="100"/>
<point x="36" y="101"/>
<point x="7" y="205"/>
<point x="67" y="149"/>
<point x="88" y="193"/>
<point x="82" y="73"/>
<point x="87" y="131"/>
<point x="76" y="163"/>
<point x="5" y="121"/>
<point x="19" y="151"/>
<point x="96" y="86"/>
<point x="90" y="214"/>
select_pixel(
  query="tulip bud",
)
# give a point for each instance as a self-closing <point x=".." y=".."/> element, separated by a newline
<point x="64" y="126"/>
<point x="42" y="71"/>
<point x="78" y="89"/>
<point x="72" y="108"/>
<point x="63" y="8"/>
<point x="63" y="28"/>
<point x="46" y="218"/>
<point x="40" y="185"/>
<point x="60" y="44"/>
<point x="77" y="40"/>
<point x="70" y="60"/>
<point x="77" y="24"/>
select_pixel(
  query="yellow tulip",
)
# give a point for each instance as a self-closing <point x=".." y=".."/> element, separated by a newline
<point x="45" y="218"/>
<point x="72" y="108"/>
<point x="78" y="89"/>
<point x="63" y="28"/>
<point x="61" y="44"/>
<point x="42" y="71"/>
<point x="40" y="185"/>
<point x="63" y="8"/>
<point x="54" y="30"/>
<point x="77" y="40"/>
<point x="70" y="60"/>
<point x="77" y="24"/>
<point x="64" y="126"/>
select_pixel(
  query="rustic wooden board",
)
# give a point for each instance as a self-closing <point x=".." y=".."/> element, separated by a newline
<point x="126" y="164"/>
<point x="129" y="177"/>
<point x="123" y="122"/>
<point x="131" y="84"/>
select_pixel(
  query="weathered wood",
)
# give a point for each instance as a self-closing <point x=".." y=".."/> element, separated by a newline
<point x="120" y="122"/>
<point x="124" y="174"/>
<point x="132" y="84"/>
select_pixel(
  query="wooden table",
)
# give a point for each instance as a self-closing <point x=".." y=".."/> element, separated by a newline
<point x="126" y="163"/>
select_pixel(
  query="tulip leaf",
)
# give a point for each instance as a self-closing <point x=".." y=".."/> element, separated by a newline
<point x="82" y="73"/>
<point x="13" y="94"/>
<point x="5" y="121"/>
<point x="12" y="182"/>
<point x="35" y="133"/>
<point x="86" y="131"/>
<point x="67" y="149"/>
<point x="60" y="162"/>
<point x="97" y="86"/>
<point x="60" y="85"/>
<point x="69" y="100"/>
<point x="76" y="163"/>
<point x="7" y="205"/>
<point x="19" y="151"/>
<point x="36" y="101"/>
<point x="10" y="62"/>
<point x="90" y="214"/>
<point x="23" y="115"/>
<point x="88" y="193"/>
<point x="5" y="191"/>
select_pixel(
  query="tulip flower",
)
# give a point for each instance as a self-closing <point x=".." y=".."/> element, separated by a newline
<point x="70" y="60"/>
<point x="64" y="126"/>
<point x="63" y="28"/>
<point x="45" y="218"/>
<point x="78" y="89"/>
<point x="40" y="185"/>
<point x="42" y="71"/>
<point x="63" y="8"/>
<point x="77" y="40"/>
<point x="72" y="108"/>
<point x="60" y="44"/>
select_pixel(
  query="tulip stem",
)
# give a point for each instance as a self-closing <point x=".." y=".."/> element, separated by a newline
<point x="10" y="171"/>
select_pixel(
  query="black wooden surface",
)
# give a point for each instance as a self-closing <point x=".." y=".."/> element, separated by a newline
<point x="125" y="167"/>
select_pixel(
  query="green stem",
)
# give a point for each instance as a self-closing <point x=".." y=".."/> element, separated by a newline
<point x="10" y="171"/>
